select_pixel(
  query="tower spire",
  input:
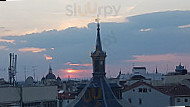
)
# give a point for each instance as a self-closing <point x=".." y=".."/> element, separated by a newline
<point x="98" y="40"/>
<point x="50" y="69"/>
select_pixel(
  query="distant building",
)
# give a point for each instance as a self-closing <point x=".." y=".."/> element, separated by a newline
<point x="180" y="70"/>
<point x="41" y="96"/>
<point x="178" y="76"/>
<point x="50" y="78"/>
<point x="139" y="72"/>
<point x="142" y="94"/>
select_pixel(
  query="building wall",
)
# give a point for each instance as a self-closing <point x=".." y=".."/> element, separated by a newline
<point x="149" y="98"/>
<point x="9" y="94"/>
<point x="182" y="101"/>
<point x="175" y="79"/>
<point x="45" y="93"/>
<point x="30" y="95"/>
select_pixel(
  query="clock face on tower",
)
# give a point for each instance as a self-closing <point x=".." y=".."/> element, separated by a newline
<point x="101" y="62"/>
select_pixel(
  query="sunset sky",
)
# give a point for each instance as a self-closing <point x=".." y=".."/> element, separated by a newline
<point x="62" y="33"/>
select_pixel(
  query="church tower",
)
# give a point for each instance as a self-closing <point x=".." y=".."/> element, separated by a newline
<point x="98" y="92"/>
<point x="98" y="57"/>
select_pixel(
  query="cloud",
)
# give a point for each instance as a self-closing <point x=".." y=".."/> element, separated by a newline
<point x="74" y="73"/>
<point x="184" y="26"/>
<point x="3" y="48"/>
<point x="5" y="40"/>
<point x="145" y="30"/>
<point x="32" y="49"/>
<point x="52" y="48"/>
<point x="154" y="58"/>
<point x="2" y="27"/>
<point x="48" y="57"/>
<point x="70" y="64"/>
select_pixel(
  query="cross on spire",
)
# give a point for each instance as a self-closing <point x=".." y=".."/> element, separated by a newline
<point x="98" y="41"/>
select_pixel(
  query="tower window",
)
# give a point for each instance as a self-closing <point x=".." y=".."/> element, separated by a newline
<point x="178" y="100"/>
<point x="101" y="62"/>
<point x="186" y="100"/>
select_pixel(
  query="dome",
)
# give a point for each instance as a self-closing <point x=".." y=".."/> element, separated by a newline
<point x="50" y="76"/>
<point x="29" y="81"/>
<point x="58" y="78"/>
<point x="43" y="78"/>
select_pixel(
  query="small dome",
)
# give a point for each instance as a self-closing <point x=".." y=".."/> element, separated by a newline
<point x="50" y="76"/>
<point x="29" y="81"/>
<point x="43" y="78"/>
<point x="58" y="78"/>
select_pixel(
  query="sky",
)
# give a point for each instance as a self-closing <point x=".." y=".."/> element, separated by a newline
<point x="63" y="32"/>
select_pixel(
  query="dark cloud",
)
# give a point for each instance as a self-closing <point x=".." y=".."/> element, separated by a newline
<point x="120" y="40"/>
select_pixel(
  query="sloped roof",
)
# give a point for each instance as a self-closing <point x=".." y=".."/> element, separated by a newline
<point x="97" y="93"/>
<point x="174" y="90"/>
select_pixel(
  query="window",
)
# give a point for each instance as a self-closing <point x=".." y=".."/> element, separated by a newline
<point x="130" y="101"/>
<point x="144" y="89"/>
<point x="149" y="89"/>
<point x="186" y="100"/>
<point x="133" y="90"/>
<point x="140" y="89"/>
<point x="140" y="101"/>
<point x="178" y="100"/>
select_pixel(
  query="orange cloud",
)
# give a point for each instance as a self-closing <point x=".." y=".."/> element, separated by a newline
<point x="5" y="40"/>
<point x="70" y="70"/>
<point x="48" y="57"/>
<point x="70" y="64"/>
<point x="52" y="48"/>
<point x="3" y="48"/>
<point x="75" y="73"/>
<point x="32" y="49"/>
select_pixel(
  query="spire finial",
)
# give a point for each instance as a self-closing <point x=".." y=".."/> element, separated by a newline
<point x="50" y="69"/>
<point x="98" y="41"/>
<point x="156" y="70"/>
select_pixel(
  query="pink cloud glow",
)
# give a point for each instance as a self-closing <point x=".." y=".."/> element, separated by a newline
<point x="5" y="40"/>
<point x="156" y="58"/>
<point x="74" y="73"/>
<point x="70" y="64"/>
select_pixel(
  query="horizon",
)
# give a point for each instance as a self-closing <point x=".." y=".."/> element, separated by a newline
<point x="140" y="33"/>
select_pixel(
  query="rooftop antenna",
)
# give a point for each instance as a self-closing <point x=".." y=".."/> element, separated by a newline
<point x="34" y="71"/>
<point x="167" y="68"/>
<point x="133" y="64"/>
<point x="109" y="74"/>
<point x="25" y="72"/>
<point x="12" y="68"/>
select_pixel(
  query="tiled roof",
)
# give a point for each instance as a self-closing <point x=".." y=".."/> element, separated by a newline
<point x="97" y="93"/>
<point x="174" y="90"/>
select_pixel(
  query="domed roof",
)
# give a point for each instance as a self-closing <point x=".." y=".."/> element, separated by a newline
<point x="43" y="78"/>
<point x="50" y="75"/>
<point x="29" y="81"/>
<point x="58" y="78"/>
